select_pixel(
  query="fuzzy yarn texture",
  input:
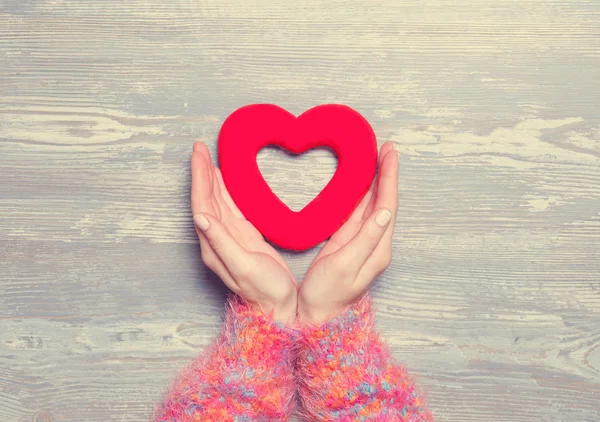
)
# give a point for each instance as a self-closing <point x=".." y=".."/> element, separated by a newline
<point x="342" y="370"/>
<point x="346" y="373"/>
<point x="246" y="375"/>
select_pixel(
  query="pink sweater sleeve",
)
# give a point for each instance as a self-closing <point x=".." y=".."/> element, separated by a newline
<point x="347" y="374"/>
<point x="246" y="375"/>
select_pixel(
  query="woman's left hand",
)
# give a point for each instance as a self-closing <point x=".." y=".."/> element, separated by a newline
<point x="358" y="252"/>
<point x="233" y="248"/>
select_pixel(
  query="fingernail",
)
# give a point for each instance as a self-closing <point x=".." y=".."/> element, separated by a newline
<point x="394" y="146"/>
<point x="201" y="221"/>
<point x="383" y="217"/>
<point x="197" y="146"/>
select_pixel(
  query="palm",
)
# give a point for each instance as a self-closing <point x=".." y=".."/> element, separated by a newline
<point x="210" y="194"/>
<point x="251" y="239"/>
<point x="349" y="229"/>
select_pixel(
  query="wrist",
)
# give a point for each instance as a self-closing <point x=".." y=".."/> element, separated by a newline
<point x="282" y="311"/>
<point x="286" y="316"/>
<point x="316" y="315"/>
<point x="286" y="308"/>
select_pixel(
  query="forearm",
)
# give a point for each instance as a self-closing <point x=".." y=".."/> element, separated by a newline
<point x="346" y="373"/>
<point x="246" y="375"/>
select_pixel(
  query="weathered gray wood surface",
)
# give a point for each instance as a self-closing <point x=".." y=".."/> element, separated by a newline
<point x="493" y="298"/>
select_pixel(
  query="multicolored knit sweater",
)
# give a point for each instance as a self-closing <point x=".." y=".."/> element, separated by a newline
<point x="342" y="371"/>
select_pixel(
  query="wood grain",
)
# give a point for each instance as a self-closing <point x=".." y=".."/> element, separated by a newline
<point x="493" y="298"/>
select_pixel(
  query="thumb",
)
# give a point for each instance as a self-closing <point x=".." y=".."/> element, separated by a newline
<point x="355" y="253"/>
<point x="232" y="254"/>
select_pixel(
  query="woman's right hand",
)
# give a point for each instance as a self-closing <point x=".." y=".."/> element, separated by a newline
<point x="233" y="248"/>
<point x="358" y="252"/>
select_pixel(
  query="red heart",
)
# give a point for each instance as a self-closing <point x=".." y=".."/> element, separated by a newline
<point x="338" y="127"/>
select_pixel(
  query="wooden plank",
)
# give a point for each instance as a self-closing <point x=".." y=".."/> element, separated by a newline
<point x="493" y="298"/>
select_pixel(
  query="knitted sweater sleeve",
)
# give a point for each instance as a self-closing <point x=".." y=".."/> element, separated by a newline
<point x="245" y="376"/>
<point x="346" y="373"/>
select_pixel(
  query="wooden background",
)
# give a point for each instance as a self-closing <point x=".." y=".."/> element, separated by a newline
<point x="493" y="298"/>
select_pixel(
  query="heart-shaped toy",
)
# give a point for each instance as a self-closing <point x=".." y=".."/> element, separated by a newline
<point x="250" y="128"/>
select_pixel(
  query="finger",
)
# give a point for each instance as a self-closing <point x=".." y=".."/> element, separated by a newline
<point x="387" y="197"/>
<point x="385" y="149"/>
<point x="202" y="201"/>
<point x="213" y="180"/>
<point x="347" y="231"/>
<point x="387" y="186"/>
<point x="227" y="202"/>
<point x="200" y="146"/>
<point x="202" y="149"/>
<point x="362" y="211"/>
<point x="212" y="261"/>
<point x="220" y="205"/>
<point x="202" y="189"/>
<point x="352" y="256"/>
<point x="232" y="254"/>
<point x="352" y="225"/>
<point x="218" y="192"/>
<point x="357" y="214"/>
<point x="226" y="196"/>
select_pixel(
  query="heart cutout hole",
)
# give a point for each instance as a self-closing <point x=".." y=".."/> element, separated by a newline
<point x="296" y="179"/>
